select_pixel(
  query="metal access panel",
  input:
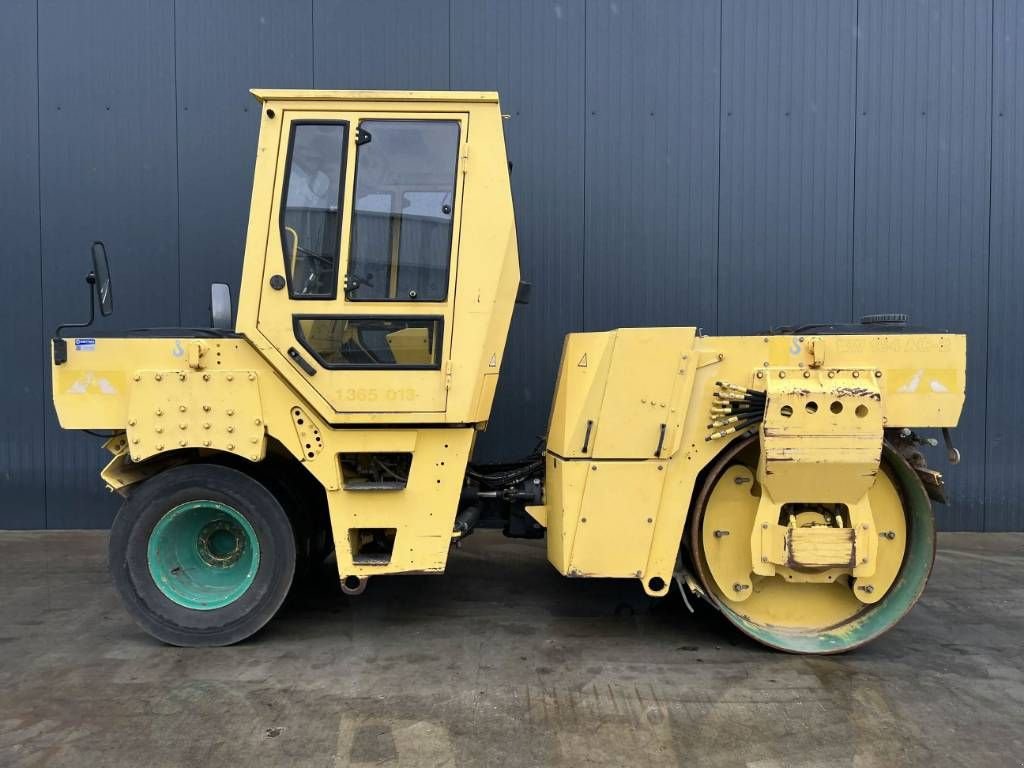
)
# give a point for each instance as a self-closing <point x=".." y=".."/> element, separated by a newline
<point x="616" y="522"/>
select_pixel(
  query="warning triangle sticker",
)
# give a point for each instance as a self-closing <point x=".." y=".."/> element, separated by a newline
<point x="494" y="361"/>
<point x="583" y="361"/>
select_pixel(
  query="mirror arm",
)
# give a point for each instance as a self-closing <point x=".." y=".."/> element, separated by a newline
<point x="90" y="280"/>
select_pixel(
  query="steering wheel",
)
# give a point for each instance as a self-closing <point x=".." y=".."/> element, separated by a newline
<point x="318" y="257"/>
<point x="316" y="262"/>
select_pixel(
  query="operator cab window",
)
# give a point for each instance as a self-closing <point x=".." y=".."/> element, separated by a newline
<point x="371" y="342"/>
<point x="311" y="213"/>
<point x="402" y="217"/>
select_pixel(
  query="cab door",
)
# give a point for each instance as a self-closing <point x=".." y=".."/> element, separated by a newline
<point x="359" y="281"/>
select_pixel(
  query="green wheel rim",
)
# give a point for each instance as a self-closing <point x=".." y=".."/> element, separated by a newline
<point x="203" y="555"/>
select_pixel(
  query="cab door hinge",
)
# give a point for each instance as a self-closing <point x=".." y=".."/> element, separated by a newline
<point x="196" y="351"/>
<point x="465" y="157"/>
<point x="448" y="375"/>
<point x="817" y="350"/>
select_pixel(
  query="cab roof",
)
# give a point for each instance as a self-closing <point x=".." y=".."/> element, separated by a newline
<point x="284" y="94"/>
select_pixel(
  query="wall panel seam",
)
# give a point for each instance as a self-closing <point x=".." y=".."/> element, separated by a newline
<point x="718" y="171"/>
<point x="177" y="147"/>
<point x="853" y="182"/>
<point x="988" y="260"/>
<point x="44" y="360"/>
<point x="586" y="132"/>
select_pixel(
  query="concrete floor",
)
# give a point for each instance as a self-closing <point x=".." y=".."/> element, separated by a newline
<point x="503" y="662"/>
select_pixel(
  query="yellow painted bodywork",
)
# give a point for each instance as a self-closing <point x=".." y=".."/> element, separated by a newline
<point x="623" y="394"/>
<point x="629" y="421"/>
<point x="483" y="278"/>
<point x="242" y="394"/>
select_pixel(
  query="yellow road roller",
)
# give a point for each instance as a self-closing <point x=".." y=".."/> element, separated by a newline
<point x="780" y="477"/>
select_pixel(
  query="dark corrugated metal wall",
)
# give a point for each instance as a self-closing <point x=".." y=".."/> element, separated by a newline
<point x="1004" y="450"/>
<point x="731" y="164"/>
<point x="921" y="211"/>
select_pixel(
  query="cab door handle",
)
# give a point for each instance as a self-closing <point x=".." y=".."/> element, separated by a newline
<point x="300" y="361"/>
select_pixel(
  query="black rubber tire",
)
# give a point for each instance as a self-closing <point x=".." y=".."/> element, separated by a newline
<point x="155" y="612"/>
<point x="304" y="500"/>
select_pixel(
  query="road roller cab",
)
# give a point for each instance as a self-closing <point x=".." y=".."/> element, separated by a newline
<point x="777" y="475"/>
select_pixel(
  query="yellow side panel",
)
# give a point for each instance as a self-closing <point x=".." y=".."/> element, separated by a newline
<point x="373" y="440"/>
<point x="578" y="393"/>
<point x="488" y="385"/>
<point x="423" y="512"/>
<point x="822" y="435"/>
<point x="929" y="385"/>
<point x="620" y="394"/>
<point x="616" y="521"/>
<point x="563" y="490"/>
<point x="637" y="409"/>
<point x="923" y="375"/>
<point x="90" y="390"/>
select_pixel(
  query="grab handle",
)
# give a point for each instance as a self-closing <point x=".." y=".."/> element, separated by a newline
<point x="586" y="437"/>
<point x="300" y="361"/>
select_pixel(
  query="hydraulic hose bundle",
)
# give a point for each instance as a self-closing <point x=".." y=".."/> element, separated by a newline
<point x="734" y="409"/>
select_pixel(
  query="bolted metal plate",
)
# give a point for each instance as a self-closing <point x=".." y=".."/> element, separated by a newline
<point x="218" y="410"/>
<point x="310" y="439"/>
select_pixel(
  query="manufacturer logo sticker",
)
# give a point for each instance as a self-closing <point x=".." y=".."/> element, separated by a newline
<point x="91" y="383"/>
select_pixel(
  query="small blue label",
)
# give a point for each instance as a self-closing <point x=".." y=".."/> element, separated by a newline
<point x="85" y="345"/>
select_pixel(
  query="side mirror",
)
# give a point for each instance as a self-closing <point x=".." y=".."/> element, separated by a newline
<point x="98" y="282"/>
<point x="220" y="306"/>
<point x="101" y="276"/>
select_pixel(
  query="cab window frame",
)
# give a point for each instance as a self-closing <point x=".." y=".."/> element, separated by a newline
<point x="456" y="201"/>
<point x="300" y="336"/>
<point x="283" y="207"/>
